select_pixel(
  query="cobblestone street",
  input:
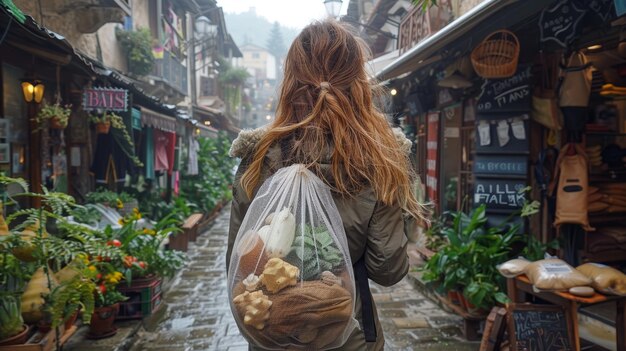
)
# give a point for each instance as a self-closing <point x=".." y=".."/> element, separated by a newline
<point x="197" y="315"/>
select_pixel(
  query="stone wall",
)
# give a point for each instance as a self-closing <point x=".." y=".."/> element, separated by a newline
<point x="79" y="26"/>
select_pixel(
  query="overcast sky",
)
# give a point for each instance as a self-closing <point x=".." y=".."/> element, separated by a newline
<point x="290" y="13"/>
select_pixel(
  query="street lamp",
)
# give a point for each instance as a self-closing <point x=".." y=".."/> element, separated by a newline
<point x="204" y="27"/>
<point x="333" y="7"/>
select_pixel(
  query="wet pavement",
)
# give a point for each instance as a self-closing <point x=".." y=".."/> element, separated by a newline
<point x="196" y="315"/>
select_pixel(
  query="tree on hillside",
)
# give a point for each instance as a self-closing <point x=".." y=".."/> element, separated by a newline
<point x="275" y="42"/>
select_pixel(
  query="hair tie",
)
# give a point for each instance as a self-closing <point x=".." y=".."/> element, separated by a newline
<point x="324" y="85"/>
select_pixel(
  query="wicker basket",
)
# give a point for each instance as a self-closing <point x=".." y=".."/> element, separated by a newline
<point x="496" y="56"/>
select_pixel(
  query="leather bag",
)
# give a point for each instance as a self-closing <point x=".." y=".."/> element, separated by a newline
<point x="545" y="109"/>
<point x="571" y="183"/>
<point x="576" y="78"/>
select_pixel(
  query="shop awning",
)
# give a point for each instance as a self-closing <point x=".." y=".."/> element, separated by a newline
<point x="157" y="120"/>
<point x="424" y="53"/>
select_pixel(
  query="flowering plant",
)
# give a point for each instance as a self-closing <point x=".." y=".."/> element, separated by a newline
<point x="142" y="246"/>
<point x="60" y="113"/>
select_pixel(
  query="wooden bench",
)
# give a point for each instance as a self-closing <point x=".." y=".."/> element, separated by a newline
<point x="190" y="227"/>
<point x="520" y="286"/>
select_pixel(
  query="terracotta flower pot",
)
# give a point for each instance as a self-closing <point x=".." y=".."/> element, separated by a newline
<point x="102" y="322"/>
<point x="103" y="128"/>
<point x="70" y="320"/>
<point x="18" y="338"/>
<point x="55" y="123"/>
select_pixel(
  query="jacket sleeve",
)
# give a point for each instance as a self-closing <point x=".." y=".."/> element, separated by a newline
<point x="386" y="258"/>
<point x="238" y="210"/>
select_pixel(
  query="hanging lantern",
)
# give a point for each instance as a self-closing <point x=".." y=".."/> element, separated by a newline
<point x="33" y="90"/>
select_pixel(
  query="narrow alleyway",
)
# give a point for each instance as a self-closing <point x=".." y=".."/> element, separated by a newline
<point x="198" y="317"/>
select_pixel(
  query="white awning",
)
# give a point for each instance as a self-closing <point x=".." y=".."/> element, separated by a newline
<point x="157" y="120"/>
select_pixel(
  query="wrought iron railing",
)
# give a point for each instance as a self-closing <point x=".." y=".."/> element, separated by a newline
<point x="171" y="71"/>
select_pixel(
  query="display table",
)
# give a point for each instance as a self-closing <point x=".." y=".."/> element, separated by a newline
<point x="520" y="286"/>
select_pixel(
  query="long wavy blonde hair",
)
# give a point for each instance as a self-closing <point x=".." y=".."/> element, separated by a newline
<point x="326" y="106"/>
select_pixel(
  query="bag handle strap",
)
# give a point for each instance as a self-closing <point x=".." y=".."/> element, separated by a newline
<point x="367" y="306"/>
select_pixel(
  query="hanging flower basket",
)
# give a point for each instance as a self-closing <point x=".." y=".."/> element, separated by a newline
<point x="56" y="123"/>
<point x="103" y="127"/>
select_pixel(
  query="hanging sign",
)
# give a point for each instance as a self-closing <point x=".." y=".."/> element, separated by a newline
<point x="432" y="171"/>
<point x="499" y="194"/>
<point x="110" y="99"/>
<point x="501" y="165"/>
<point x="559" y="23"/>
<point x="603" y="9"/>
<point x="506" y="95"/>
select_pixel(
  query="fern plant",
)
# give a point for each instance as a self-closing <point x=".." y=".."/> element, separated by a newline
<point x="67" y="298"/>
<point x="314" y="252"/>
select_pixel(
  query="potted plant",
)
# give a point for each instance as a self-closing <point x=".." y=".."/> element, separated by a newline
<point x="58" y="115"/>
<point x="103" y="123"/>
<point x="471" y="240"/>
<point x="137" y="44"/>
<point x="13" y="331"/>
<point x="107" y="305"/>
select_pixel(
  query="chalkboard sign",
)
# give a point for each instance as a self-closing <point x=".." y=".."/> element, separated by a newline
<point x="500" y="165"/>
<point x="501" y="194"/>
<point x="515" y="143"/>
<point x="511" y="94"/>
<point x="539" y="327"/>
<point x="559" y="23"/>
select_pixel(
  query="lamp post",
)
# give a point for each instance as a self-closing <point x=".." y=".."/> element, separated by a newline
<point x="203" y="31"/>
<point x="333" y="7"/>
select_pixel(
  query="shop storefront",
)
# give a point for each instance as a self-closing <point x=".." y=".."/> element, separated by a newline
<point x="40" y="110"/>
<point x="550" y="115"/>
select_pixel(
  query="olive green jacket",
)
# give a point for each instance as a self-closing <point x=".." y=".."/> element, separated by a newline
<point x="374" y="231"/>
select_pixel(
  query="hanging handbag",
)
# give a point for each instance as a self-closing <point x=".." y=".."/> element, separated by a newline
<point x="545" y="109"/>
<point x="571" y="182"/>
<point x="575" y="81"/>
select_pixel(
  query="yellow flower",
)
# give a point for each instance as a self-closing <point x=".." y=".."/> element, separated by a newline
<point x="121" y="221"/>
<point x="92" y="268"/>
<point x="138" y="215"/>
<point x="120" y="204"/>
<point x="135" y="210"/>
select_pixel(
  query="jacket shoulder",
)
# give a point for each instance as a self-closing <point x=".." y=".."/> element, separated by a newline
<point x="247" y="140"/>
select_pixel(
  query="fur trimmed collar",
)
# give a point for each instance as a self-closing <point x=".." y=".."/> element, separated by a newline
<point x="247" y="140"/>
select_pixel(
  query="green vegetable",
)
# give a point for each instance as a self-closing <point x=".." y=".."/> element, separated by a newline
<point x="319" y="253"/>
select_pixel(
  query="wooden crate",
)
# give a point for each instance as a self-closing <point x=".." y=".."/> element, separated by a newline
<point x="42" y="341"/>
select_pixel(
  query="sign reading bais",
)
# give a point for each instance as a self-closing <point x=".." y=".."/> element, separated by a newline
<point x="111" y="99"/>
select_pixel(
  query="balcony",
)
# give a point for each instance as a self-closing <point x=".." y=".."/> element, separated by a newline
<point x="168" y="80"/>
<point x="419" y="24"/>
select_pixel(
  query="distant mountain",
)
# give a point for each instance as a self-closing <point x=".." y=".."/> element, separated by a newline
<point x="248" y="27"/>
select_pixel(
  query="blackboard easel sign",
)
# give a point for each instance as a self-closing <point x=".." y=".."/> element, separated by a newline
<point x="539" y="327"/>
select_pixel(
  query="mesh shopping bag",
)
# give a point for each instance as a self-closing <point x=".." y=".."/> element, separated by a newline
<point x="290" y="280"/>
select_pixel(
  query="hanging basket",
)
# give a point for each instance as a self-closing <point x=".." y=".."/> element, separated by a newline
<point x="103" y="128"/>
<point x="55" y="123"/>
<point x="496" y="56"/>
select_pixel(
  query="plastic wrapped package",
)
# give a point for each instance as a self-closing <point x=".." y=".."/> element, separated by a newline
<point x="290" y="280"/>
<point x="513" y="268"/>
<point x="555" y="274"/>
<point x="605" y="279"/>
